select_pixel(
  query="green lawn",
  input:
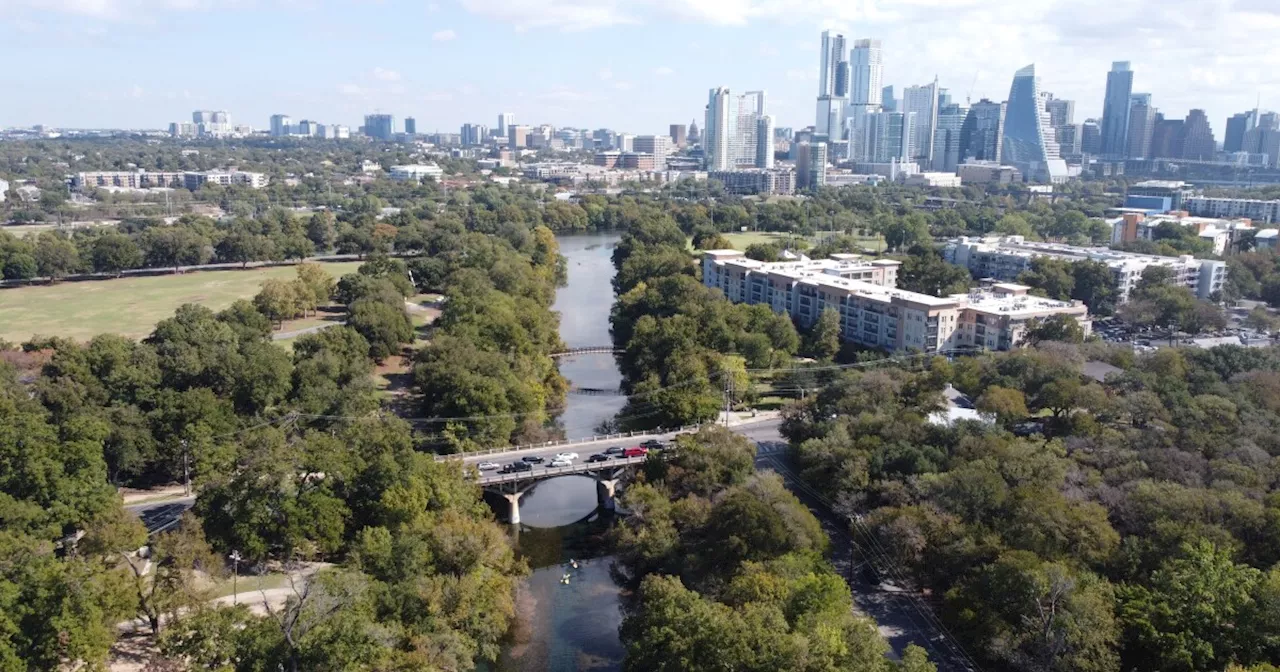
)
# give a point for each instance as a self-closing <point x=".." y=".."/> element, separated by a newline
<point x="740" y="240"/>
<point x="129" y="306"/>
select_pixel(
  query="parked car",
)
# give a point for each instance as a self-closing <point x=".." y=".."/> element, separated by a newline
<point x="567" y="456"/>
<point x="599" y="457"/>
<point x="533" y="459"/>
<point x="488" y="466"/>
<point x="636" y="451"/>
<point x="561" y="462"/>
<point x="516" y="467"/>
<point x="615" y="450"/>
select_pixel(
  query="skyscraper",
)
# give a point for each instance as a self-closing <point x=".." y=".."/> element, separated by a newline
<point x="764" y="142"/>
<point x="744" y="139"/>
<point x="923" y="101"/>
<point x="678" y="134"/>
<point x="380" y="126"/>
<point x="505" y="121"/>
<point x="1237" y="125"/>
<point x="1029" y="143"/>
<point x="888" y="136"/>
<point x="887" y="100"/>
<point x="811" y="165"/>
<point x="1090" y="137"/>
<point x="473" y="134"/>
<point x="1166" y="138"/>
<point x="1142" y="121"/>
<point x="1069" y="137"/>
<point x="280" y="124"/>
<point x="1061" y="112"/>
<point x="833" y="84"/>
<point x="982" y="134"/>
<point x="410" y="125"/>
<point x="865" y="92"/>
<point x="517" y="136"/>
<point x="1115" y="109"/>
<point x="1197" y="137"/>
<point x="833" y="54"/>
<point x="946" y="137"/>
<point x="716" y="130"/>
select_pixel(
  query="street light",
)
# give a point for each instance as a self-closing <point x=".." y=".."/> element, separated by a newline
<point x="235" y="575"/>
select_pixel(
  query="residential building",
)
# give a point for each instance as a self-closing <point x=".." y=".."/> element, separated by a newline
<point x="127" y="179"/>
<point x="1264" y="138"/>
<point x="1237" y="125"/>
<point x="1006" y="257"/>
<point x="1258" y="211"/>
<point x="946" y="137"/>
<point x="416" y="172"/>
<point x="1070" y="140"/>
<point x="1157" y="195"/>
<point x="1115" y="109"/>
<point x="888" y="102"/>
<point x="638" y="161"/>
<point x="865" y="92"/>
<point x="626" y="142"/>
<point x="1264" y="240"/>
<point x="308" y="128"/>
<point x="888" y="137"/>
<point x="335" y="132"/>
<point x="987" y="172"/>
<point x="607" y="159"/>
<point x="225" y="178"/>
<point x="380" y="126"/>
<point x="1166" y="138"/>
<point x="811" y="165"/>
<point x="182" y="129"/>
<point x="280" y="124"/>
<point x="1142" y="120"/>
<point x="873" y="312"/>
<point x="833" y="86"/>
<point x="1197" y="137"/>
<point x="982" y="134"/>
<point x="1061" y="112"/>
<point x="717" y="130"/>
<point x="678" y="135"/>
<point x="505" y="121"/>
<point x="657" y="146"/>
<point x="756" y="181"/>
<point x="517" y="137"/>
<point x="1224" y="235"/>
<point x="1090" y="138"/>
<point x="410" y="126"/>
<point x="923" y="101"/>
<point x="932" y="179"/>
<point x="1029" y="144"/>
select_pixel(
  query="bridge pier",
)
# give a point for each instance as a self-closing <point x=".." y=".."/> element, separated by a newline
<point x="513" y="504"/>
<point x="606" y="490"/>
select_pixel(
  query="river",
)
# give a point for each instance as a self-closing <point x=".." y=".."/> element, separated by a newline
<point x="569" y="627"/>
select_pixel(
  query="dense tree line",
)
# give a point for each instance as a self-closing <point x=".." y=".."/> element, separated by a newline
<point x="729" y="572"/>
<point x="1127" y="524"/>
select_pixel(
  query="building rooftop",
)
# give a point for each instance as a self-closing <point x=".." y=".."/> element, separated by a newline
<point x="1017" y="245"/>
<point x="1161" y="184"/>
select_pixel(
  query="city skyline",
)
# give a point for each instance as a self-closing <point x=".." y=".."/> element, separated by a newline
<point x="1185" y="59"/>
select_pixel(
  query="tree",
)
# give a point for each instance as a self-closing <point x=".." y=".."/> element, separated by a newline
<point x="764" y="251"/>
<point x="20" y="266"/>
<point x="55" y="255"/>
<point x="1061" y="328"/>
<point x="1094" y="285"/>
<point x="823" y="339"/>
<point x="320" y="230"/>
<point x="925" y="271"/>
<point x="1008" y="406"/>
<point x="906" y="232"/>
<point x="317" y="280"/>
<point x="173" y="246"/>
<point x="166" y="581"/>
<point x="278" y="300"/>
<point x="1261" y="319"/>
<point x="1051" y="276"/>
<point x="384" y="325"/>
<point x="115" y="252"/>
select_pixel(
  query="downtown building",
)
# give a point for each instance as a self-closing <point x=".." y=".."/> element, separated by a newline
<point x="1029" y="142"/>
<point x="1007" y="257"/>
<point x="873" y="312"/>
<point x="142" y="179"/>
<point x="755" y="181"/>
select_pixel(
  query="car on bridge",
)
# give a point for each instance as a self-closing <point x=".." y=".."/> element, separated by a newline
<point x="488" y="466"/>
<point x="561" y="462"/>
<point x="600" y="457"/>
<point x="567" y="456"/>
<point x="615" y="450"/>
<point x="533" y="459"/>
<point x="516" y="467"/>
<point x="635" y="451"/>
<point x="653" y="444"/>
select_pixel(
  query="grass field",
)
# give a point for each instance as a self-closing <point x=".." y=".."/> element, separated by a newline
<point x="128" y="306"/>
<point x="740" y="240"/>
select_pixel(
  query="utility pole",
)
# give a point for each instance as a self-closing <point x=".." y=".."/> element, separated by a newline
<point x="728" y="396"/>
<point x="186" y="470"/>
<point x="235" y="575"/>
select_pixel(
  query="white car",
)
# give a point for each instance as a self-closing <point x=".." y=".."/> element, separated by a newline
<point x="561" y="462"/>
<point x="567" y="456"/>
<point x="488" y="466"/>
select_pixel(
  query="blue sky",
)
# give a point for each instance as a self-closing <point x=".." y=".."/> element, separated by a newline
<point x="634" y="65"/>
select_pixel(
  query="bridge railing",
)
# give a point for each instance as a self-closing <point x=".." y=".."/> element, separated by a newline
<point x="547" y="472"/>
<point x="567" y="442"/>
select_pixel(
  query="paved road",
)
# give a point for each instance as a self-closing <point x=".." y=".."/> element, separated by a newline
<point x="162" y="515"/>
<point x="284" y="335"/>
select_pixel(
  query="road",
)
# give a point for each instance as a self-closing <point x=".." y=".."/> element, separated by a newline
<point x="285" y="335"/>
<point x="162" y="515"/>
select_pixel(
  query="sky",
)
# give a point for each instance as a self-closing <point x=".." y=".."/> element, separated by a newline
<point x="631" y="65"/>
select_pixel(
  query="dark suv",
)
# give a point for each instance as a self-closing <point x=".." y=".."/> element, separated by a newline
<point x="516" y="467"/>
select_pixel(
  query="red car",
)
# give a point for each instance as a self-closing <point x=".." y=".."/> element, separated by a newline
<point x="635" y="451"/>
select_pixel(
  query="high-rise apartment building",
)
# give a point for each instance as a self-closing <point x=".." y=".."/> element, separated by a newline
<point x="865" y="91"/>
<point x="764" y="142"/>
<point x="1197" y="137"/>
<point x="410" y="126"/>
<point x="1142" y="123"/>
<point x="716" y="130"/>
<point x="1237" y="125"/>
<point x="1255" y="139"/>
<point x="923" y="101"/>
<point x="1029" y="142"/>
<point x="473" y="134"/>
<point x="946" y="137"/>
<point x="517" y="136"/>
<point x="811" y="165"/>
<point x="887" y="100"/>
<point x="505" y="121"/>
<point x="833" y="86"/>
<point x="1090" y="137"/>
<point x="657" y="145"/>
<point x="1166" y="138"/>
<point x="380" y="126"/>
<point x="1069" y="138"/>
<point x="678" y="134"/>
<point x="280" y="124"/>
<point x="1115" y="109"/>
<point x="744" y="140"/>
<point x="982" y="133"/>
<point x="1061" y="112"/>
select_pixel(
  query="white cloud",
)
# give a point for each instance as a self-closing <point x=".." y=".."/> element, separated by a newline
<point x="768" y="50"/>
<point x="385" y="75"/>
<point x="622" y="86"/>
<point x="663" y="71"/>
<point x="350" y="90"/>
<point x="443" y="35"/>
<point x="604" y="73"/>
<point x="567" y="95"/>
<point x="437" y="97"/>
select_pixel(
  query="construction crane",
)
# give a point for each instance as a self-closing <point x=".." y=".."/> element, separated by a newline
<point x="968" y="95"/>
